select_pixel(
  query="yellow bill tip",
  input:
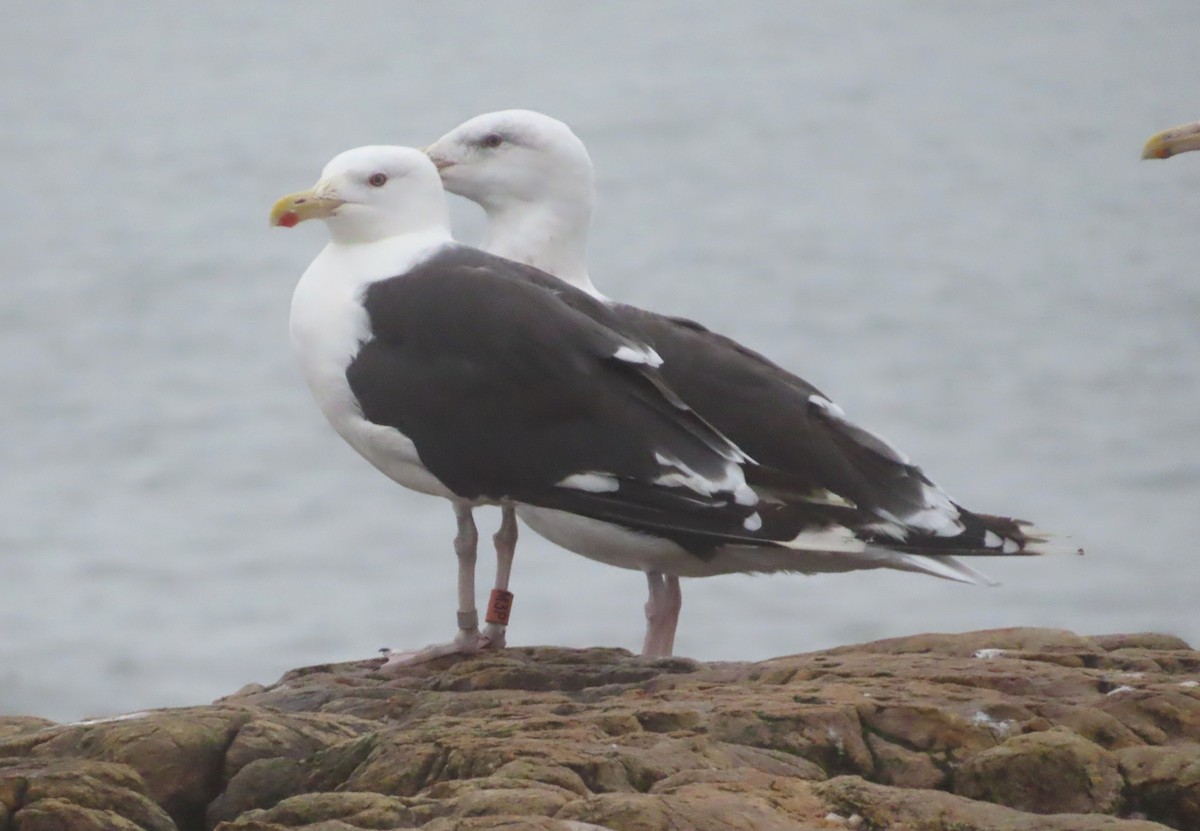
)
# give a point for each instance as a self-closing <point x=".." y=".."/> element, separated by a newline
<point x="1156" y="148"/>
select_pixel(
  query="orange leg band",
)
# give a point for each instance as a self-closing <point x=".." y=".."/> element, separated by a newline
<point x="499" y="607"/>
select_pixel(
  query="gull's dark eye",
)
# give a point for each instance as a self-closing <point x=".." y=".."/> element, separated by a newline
<point x="492" y="140"/>
<point x="377" y="180"/>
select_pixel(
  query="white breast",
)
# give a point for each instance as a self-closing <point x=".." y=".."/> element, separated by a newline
<point x="328" y="325"/>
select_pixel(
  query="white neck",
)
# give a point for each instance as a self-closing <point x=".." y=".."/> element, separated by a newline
<point x="328" y="323"/>
<point x="361" y="263"/>
<point x="415" y="217"/>
<point x="327" y="313"/>
<point x="546" y="235"/>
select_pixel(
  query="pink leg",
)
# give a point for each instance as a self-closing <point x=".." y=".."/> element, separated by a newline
<point x="662" y="614"/>
<point x="466" y="547"/>
<point x="674" y="606"/>
<point x="468" y="639"/>
<point x="505" y="541"/>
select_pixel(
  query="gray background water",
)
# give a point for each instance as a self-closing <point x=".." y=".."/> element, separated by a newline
<point x="934" y="211"/>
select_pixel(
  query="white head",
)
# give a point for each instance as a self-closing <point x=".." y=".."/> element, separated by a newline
<point x="371" y="193"/>
<point x="514" y="156"/>
<point x="534" y="178"/>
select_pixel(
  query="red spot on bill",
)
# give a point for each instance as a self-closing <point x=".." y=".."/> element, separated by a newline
<point x="289" y="219"/>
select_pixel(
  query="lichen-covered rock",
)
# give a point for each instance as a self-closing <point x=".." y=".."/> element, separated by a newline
<point x="745" y="800"/>
<point x="328" y="811"/>
<point x="512" y="823"/>
<point x="916" y="810"/>
<point x="1163" y="783"/>
<point x="1050" y="772"/>
<point x="575" y="740"/>
<point x="260" y="784"/>
<point x="941" y="733"/>
<point x="77" y="795"/>
<point x="897" y="765"/>
<point x="290" y="736"/>
<point x="1155" y="641"/>
<point x="13" y="726"/>
<point x="178" y="753"/>
<point x="1157" y="714"/>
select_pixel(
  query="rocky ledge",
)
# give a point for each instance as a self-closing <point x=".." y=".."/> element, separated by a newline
<point x="1006" y="729"/>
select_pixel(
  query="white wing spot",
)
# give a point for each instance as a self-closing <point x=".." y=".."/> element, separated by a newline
<point x="834" y="538"/>
<point x="828" y="406"/>
<point x="592" y="482"/>
<point x="894" y="530"/>
<point x="752" y="522"/>
<point x="991" y="539"/>
<point x="632" y="355"/>
<point x="683" y="476"/>
<point x="743" y="494"/>
<point x="1010" y="546"/>
<point x="939" y="516"/>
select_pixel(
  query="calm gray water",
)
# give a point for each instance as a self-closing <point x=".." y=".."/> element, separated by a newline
<point x="934" y="211"/>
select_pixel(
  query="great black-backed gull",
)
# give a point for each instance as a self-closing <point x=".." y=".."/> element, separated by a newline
<point x="481" y="380"/>
<point x="1168" y="143"/>
<point x="534" y="179"/>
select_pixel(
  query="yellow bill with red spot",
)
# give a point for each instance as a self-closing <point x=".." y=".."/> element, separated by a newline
<point x="1172" y="142"/>
<point x="295" y="208"/>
